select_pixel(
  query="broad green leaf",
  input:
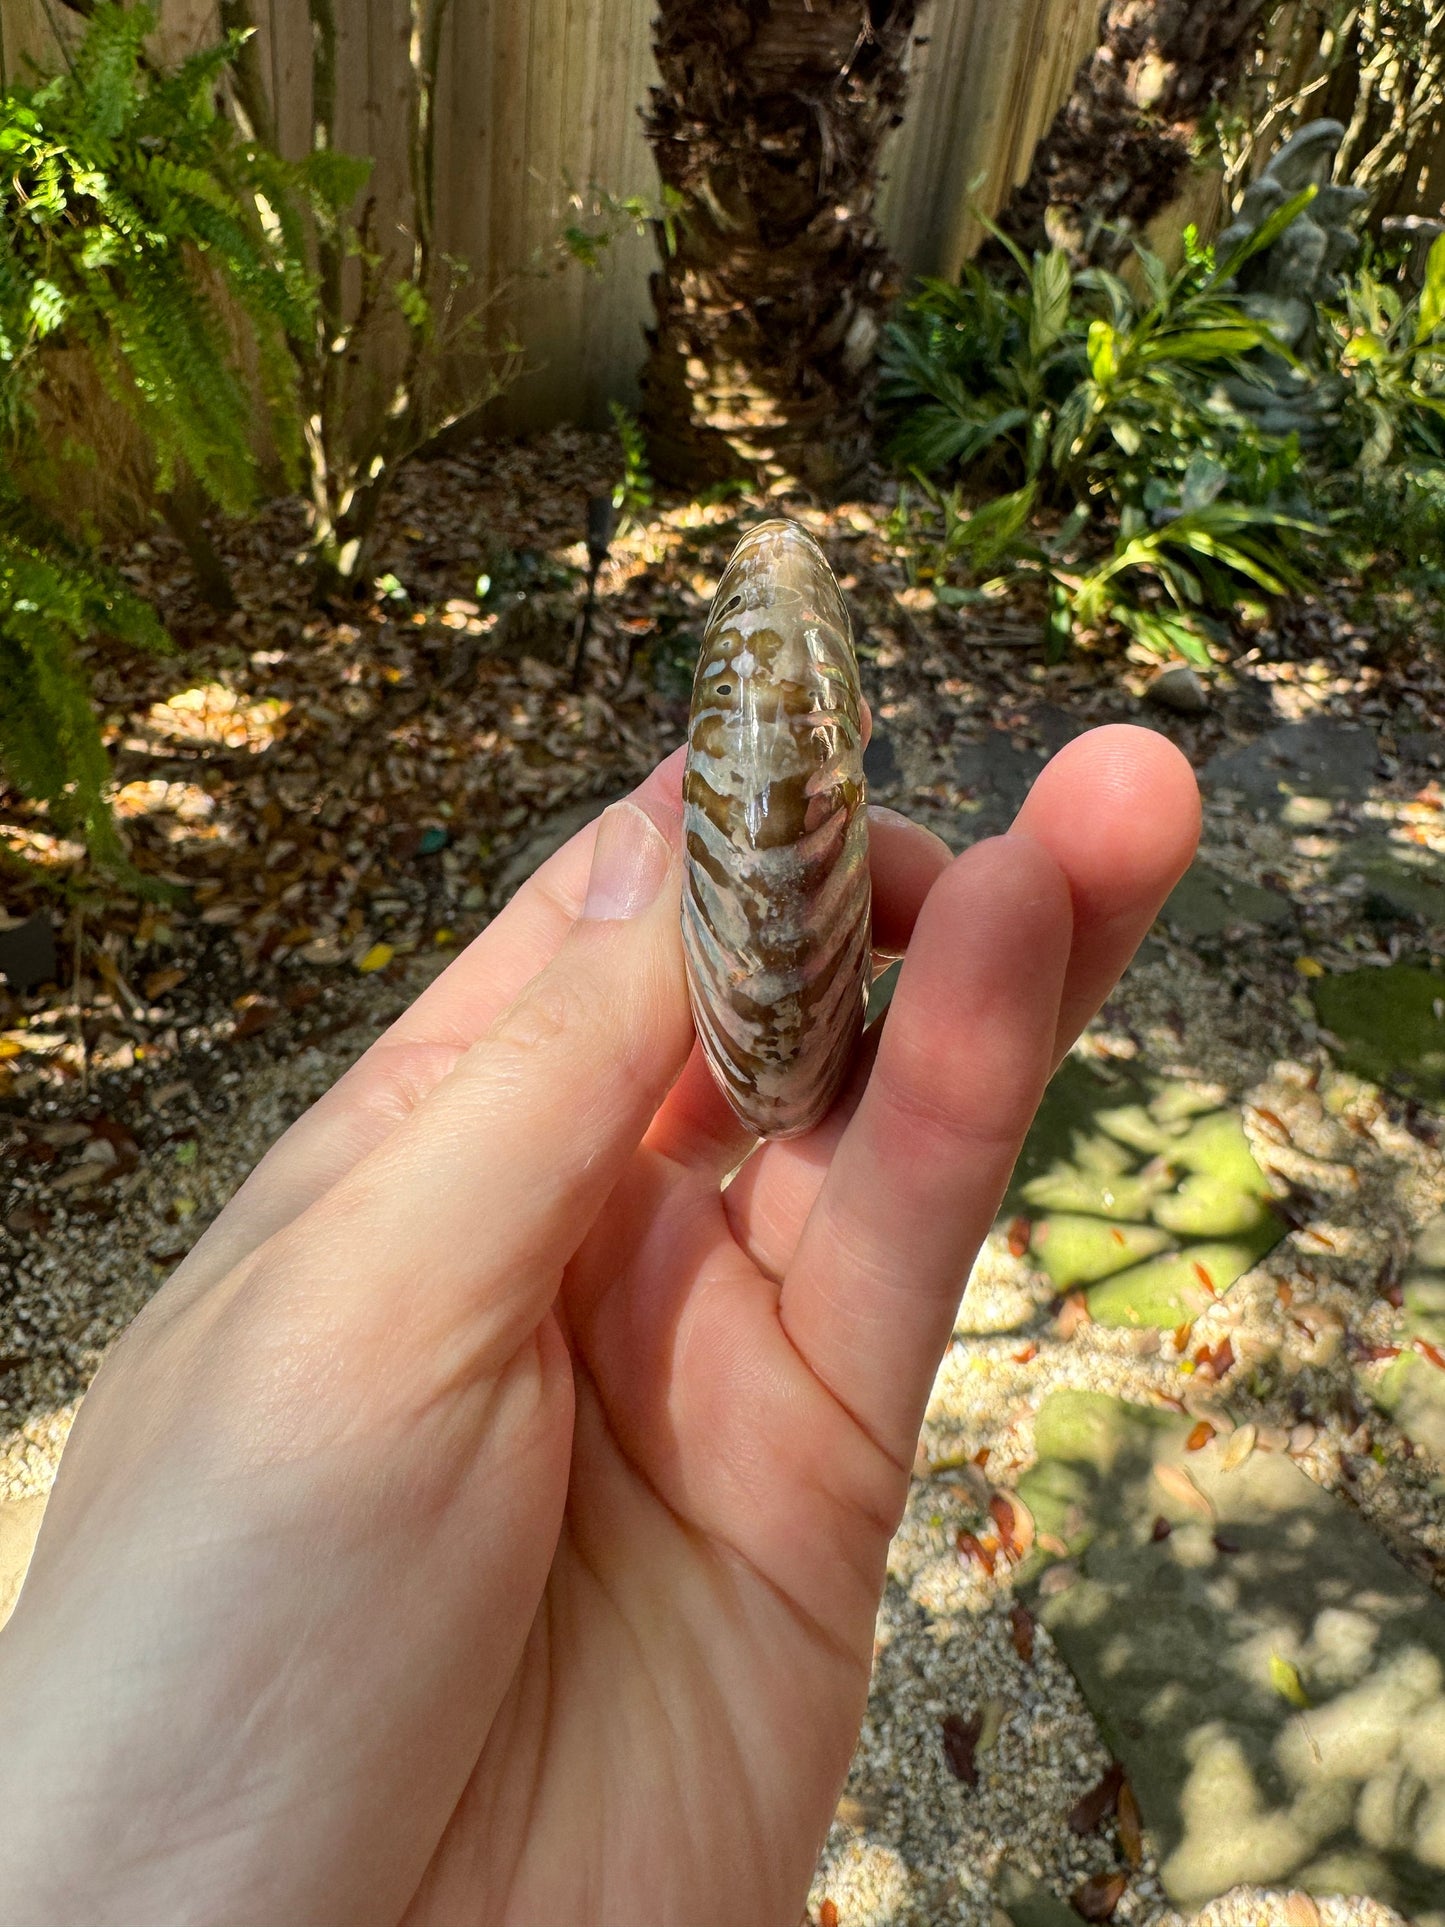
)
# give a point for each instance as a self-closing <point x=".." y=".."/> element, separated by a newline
<point x="1432" y="297"/>
<point x="1052" y="290"/>
<point x="1204" y="481"/>
<point x="1208" y="344"/>
<point x="1266" y="234"/>
<point x="1060" y="631"/>
<point x="1103" y="361"/>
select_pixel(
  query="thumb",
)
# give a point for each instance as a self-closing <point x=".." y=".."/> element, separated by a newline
<point x="462" y="1221"/>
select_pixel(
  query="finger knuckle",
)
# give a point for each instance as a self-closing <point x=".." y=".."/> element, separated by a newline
<point x="549" y="1011"/>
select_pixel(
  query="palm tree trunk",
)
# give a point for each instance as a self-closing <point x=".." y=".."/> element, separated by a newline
<point x="1120" y="146"/>
<point x="768" y="128"/>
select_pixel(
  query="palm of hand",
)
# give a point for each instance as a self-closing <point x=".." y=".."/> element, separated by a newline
<point x="514" y="1500"/>
<point x="697" y="1670"/>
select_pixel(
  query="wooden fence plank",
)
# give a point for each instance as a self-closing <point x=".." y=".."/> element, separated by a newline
<point x="534" y="95"/>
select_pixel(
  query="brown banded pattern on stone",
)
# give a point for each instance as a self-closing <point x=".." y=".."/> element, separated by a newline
<point x="776" y="900"/>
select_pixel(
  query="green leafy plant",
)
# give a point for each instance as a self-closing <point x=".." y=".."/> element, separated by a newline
<point x="54" y="599"/>
<point x="1390" y="349"/>
<point x="130" y="232"/>
<point x="1132" y="489"/>
<point x="602" y="217"/>
<point x="1385" y="485"/>
<point x="633" y="494"/>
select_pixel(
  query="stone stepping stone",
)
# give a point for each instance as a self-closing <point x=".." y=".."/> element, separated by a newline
<point x="1206" y="903"/>
<point x="1393" y="880"/>
<point x="1271" y="1679"/>
<point x="1423" y="749"/>
<point x="1143" y="1193"/>
<point x="1390" y="1025"/>
<point x="1315" y="758"/>
<point x="1413" y="1388"/>
<point x="998" y="776"/>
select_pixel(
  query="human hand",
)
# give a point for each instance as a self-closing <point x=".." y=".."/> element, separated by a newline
<point x="487" y="1521"/>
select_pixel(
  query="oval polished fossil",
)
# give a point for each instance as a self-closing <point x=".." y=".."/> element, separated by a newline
<point x="776" y="899"/>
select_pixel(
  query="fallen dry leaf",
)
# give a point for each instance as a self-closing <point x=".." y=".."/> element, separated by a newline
<point x="1100" y="1895"/>
<point x="972" y="1547"/>
<point x="1182" y="1489"/>
<point x="1089" y="1810"/>
<point x="1014" y="1521"/>
<point x="1237" y="1448"/>
<point x="1072" y="1315"/>
<point x="1130" y="1824"/>
<point x="1021" y="1630"/>
<point x="256" y="1014"/>
<point x="376" y="958"/>
<point x="1284" y="1677"/>
<point x="158" y="982"/>
<point x="960" y="1742"/>
<point x="1215" y="1364"/>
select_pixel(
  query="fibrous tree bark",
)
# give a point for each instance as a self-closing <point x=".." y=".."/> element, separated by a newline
<point x="768" y="129"/>
<point x="1121" y="144"/>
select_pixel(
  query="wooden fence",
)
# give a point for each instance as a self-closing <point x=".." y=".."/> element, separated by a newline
<point x="539" y="100"/>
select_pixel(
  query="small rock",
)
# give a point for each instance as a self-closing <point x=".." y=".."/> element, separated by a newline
<point x="1179" y="689"/>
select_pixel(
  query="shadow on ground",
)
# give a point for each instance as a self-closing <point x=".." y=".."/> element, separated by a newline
<point x="1272" y="1680"/>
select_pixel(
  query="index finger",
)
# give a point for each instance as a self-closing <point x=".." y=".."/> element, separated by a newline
<point x="411" y="1058"/>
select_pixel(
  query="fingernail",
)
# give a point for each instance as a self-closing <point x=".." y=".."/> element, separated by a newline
<point x="630" y="862"/>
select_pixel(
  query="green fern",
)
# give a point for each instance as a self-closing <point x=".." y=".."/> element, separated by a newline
<point x="135" y="224"/>
<point x="53" y="599"/>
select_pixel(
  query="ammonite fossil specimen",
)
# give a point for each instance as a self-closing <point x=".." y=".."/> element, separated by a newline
<point x="775" y="906"/>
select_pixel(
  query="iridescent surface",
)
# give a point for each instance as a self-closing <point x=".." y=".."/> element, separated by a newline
<point x="775" y="918"/>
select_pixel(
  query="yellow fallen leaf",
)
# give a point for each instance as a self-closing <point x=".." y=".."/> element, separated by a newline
<point x="377" y="958"/>
<point x="9" y="1047"/>
<point x="1182" y="1489"/>
<point x="1284" y="1678"/>
<point x="1309" y="966"/>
